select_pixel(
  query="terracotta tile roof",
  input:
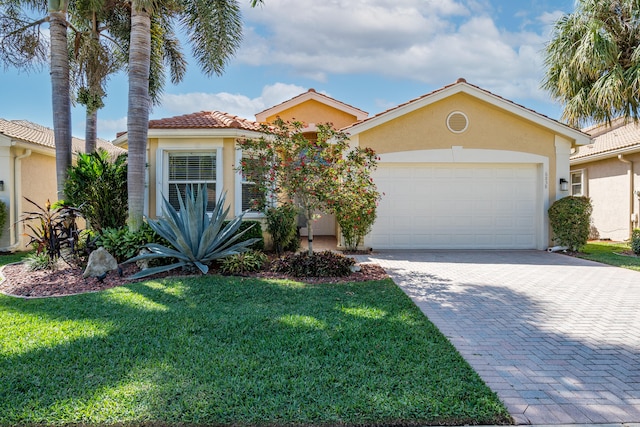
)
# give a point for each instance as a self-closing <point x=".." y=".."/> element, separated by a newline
<point x="41" y="135"/>
<point x="204" y="120"/>
<point x="459" y="81"/>
<point x="619" y="135"/>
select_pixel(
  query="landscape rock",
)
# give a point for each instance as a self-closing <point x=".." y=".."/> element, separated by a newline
<point x="100" y="262"/>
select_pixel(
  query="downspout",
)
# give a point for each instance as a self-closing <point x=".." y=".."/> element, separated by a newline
<point x="17" y="192"/>
<point x="632" y="218"/>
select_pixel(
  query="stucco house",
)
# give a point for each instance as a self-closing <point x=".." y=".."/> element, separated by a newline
<point x="460" y="167"/>
<point x="28" y="169"/>
<point x="201" y="148"/>
<point x="604" y="171"/>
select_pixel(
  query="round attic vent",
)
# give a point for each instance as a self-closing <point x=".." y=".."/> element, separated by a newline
<point x="457" y="122"/>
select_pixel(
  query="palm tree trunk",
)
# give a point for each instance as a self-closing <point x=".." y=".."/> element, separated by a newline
<point x="91" y="132"/>
<point x="61" y="101"/>
<point x="138" y="113"/>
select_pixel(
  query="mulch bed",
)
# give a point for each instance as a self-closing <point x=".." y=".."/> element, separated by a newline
<point x="16" y="280"/>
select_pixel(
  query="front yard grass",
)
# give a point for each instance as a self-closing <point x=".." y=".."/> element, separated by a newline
<point x="234" y="351"/>
<point x="611" y="253"/>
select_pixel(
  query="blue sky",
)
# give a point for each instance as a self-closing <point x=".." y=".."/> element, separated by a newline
<point x="371" y="54"/>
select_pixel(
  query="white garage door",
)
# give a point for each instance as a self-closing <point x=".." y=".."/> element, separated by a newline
<point x="456" y="206"/>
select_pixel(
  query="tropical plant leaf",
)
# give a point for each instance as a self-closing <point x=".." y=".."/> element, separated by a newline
<point x="195" y="239"/>
<point x="155" y="270"/>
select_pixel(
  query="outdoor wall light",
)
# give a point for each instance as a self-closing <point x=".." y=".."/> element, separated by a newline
<point x="1" y="185"/>
<point x="564" y="184"/>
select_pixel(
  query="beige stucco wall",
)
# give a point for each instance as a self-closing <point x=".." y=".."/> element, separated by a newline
<point x="152" y="146"/>
<point x="312" y="111"/>
<point x="490" y="128"/>
<point x="607" y="184"/>
<point x="6" y="176"/>
<point x="38" y="173"/>
<point x="37" y="181"/>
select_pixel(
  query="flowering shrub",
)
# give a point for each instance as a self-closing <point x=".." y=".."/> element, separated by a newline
<point x="322" y="174"/>
<point x="355" y="201"/>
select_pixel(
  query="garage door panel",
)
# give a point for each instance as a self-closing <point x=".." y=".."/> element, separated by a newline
<point x="456" y="206"/>
<point x="480" y="221"/>
<point x="402" y="224"/>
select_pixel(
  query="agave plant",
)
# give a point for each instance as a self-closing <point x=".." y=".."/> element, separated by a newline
<point x="196" y="238"/>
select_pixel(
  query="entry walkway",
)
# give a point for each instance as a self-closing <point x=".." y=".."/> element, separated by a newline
<point x="556" y="337"/>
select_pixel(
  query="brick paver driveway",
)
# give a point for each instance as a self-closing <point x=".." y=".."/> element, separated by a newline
<point x="557" y="338"/>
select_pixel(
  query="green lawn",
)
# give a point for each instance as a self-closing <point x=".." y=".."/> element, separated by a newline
<point x="13" y="257"/>
<point x="234" y="351"/>
<point x="610" y="253"/>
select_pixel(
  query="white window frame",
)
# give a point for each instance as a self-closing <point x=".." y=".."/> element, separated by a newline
<point x="582" y="183"/>
<point x="239" y="181"/>
<point x="162" y="185"/>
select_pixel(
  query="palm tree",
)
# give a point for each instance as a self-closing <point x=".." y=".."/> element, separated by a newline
<point x="214" y="28"/>
<point x="99" y="47"/>
<point x="60" y="90"/>
<point x="138" y="109"/>
<point x="94" y="56"/>
<point x="593" y="61"/>
<point x="24" y="47"/>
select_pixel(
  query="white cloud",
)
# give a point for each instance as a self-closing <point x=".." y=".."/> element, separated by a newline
<point x="108" y="129"/>
<point x="236" y="104"/>
<point x="549" y="18"/>
<point x="431" y="41"/>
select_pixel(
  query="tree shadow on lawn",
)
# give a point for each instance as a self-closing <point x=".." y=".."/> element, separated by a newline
<point x="234" y="350"/>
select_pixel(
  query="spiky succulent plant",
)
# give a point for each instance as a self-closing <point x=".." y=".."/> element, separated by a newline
<point x="196" y="238"/>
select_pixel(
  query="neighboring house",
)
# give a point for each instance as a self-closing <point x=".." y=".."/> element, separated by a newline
<point x="28" y="169"/>
<point x="460" y="167"/>
<point x="605" y="172"/>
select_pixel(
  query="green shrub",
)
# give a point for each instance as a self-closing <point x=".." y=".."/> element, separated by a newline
<point x="245" y="262"/>
<point x="98" y="186"/>
<point x="3" y="216"/>
<point x="294" y="244"/>
<point x="318" y="264"/>
<point x="570" y="219"/>
<point x="282" y="225"/>
<point x="124" y="244"/>
<point x="251" y="230"/>
<point x="635" y="241"/>
<point x="194" y="238"/>
<point x="36" y="261"/>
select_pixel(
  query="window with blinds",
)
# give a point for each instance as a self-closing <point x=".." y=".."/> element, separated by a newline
<point x="197" y="169"/>
<point x="252" y="198"/>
